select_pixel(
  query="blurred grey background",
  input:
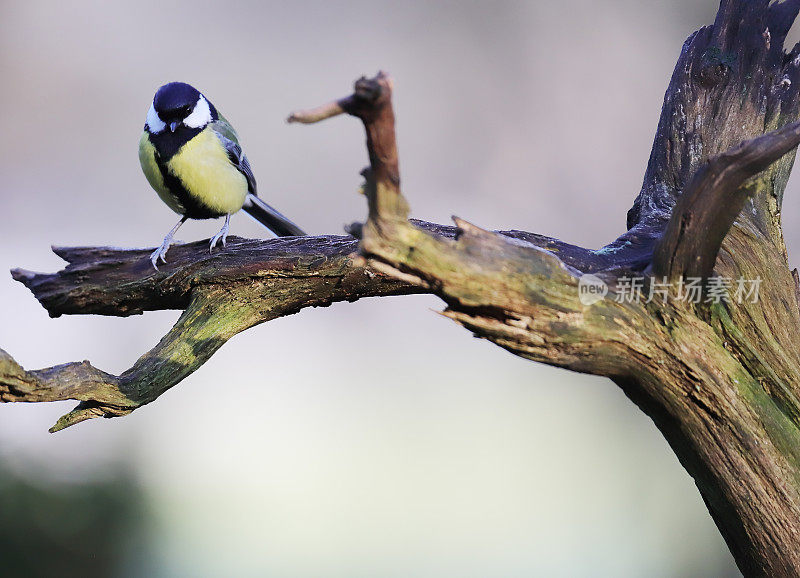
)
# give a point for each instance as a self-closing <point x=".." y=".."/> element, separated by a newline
<point x="302" y="449"/>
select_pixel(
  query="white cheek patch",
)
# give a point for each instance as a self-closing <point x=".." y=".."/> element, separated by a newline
<point x="201" y="115"/>
<point x="154" y="123"/>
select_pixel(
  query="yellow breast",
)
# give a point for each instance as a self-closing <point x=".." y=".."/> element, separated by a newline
<point x="207" y="174"/>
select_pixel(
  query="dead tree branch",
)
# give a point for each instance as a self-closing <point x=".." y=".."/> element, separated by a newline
<point x="223" y="294"/>
<point x="245" y="284"/>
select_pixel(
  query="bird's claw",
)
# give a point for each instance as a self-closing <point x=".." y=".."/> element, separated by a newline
<point x="216" y="239"/>
<point x="160" y="253"/>
<point x="222" y="236"/>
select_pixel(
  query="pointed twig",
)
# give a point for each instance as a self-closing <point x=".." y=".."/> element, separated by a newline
<point x="320" y="113"/>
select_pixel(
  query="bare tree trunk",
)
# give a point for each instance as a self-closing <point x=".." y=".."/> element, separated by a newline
<point x="717" y="376"/>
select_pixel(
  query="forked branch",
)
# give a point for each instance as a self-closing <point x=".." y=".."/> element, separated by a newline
<point x="519" y="294"/>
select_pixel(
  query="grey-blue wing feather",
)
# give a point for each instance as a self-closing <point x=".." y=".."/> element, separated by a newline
<point x="235" y="153"/>
<point x="255" y="207"/>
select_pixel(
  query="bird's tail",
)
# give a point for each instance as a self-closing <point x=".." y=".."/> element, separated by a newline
<point x="271" y="218"/>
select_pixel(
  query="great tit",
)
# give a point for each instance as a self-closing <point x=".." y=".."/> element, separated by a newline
<point x="192" y="158"/>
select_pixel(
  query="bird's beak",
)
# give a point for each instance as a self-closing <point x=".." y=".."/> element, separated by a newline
<point x="173" y="126"/>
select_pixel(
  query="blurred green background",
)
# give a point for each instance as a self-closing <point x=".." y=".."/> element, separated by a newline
<point x="303" y="449"/>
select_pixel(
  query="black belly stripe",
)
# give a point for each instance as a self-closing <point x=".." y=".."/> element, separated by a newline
<point x="193" y="208"/>
<point x="167" y="144"/>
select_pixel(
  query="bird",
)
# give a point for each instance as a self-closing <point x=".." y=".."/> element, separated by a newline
<point x="190" y="154"/>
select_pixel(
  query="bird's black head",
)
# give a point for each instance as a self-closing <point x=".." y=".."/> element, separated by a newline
<point x="179" y="106"/>
<point x="175" y="101"/>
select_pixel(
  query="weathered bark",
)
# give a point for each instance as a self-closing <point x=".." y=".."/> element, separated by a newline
<point x="719" y="378"/>
<point x="222" y="294"/>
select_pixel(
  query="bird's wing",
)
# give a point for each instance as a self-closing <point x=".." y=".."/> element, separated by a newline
<point x="230" y="140"/>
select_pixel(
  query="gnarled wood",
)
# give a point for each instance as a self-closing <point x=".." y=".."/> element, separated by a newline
<point x="723" y="400"/>
<point x="707" y="208"/>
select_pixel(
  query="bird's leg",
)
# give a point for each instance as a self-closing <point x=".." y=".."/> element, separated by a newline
<point x="161" y="252"/>
<point x="222" y="235"/>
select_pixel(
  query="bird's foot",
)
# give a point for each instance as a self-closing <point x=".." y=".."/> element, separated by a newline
<point x="160" y="253"/>
<point x="221" y="236"/>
